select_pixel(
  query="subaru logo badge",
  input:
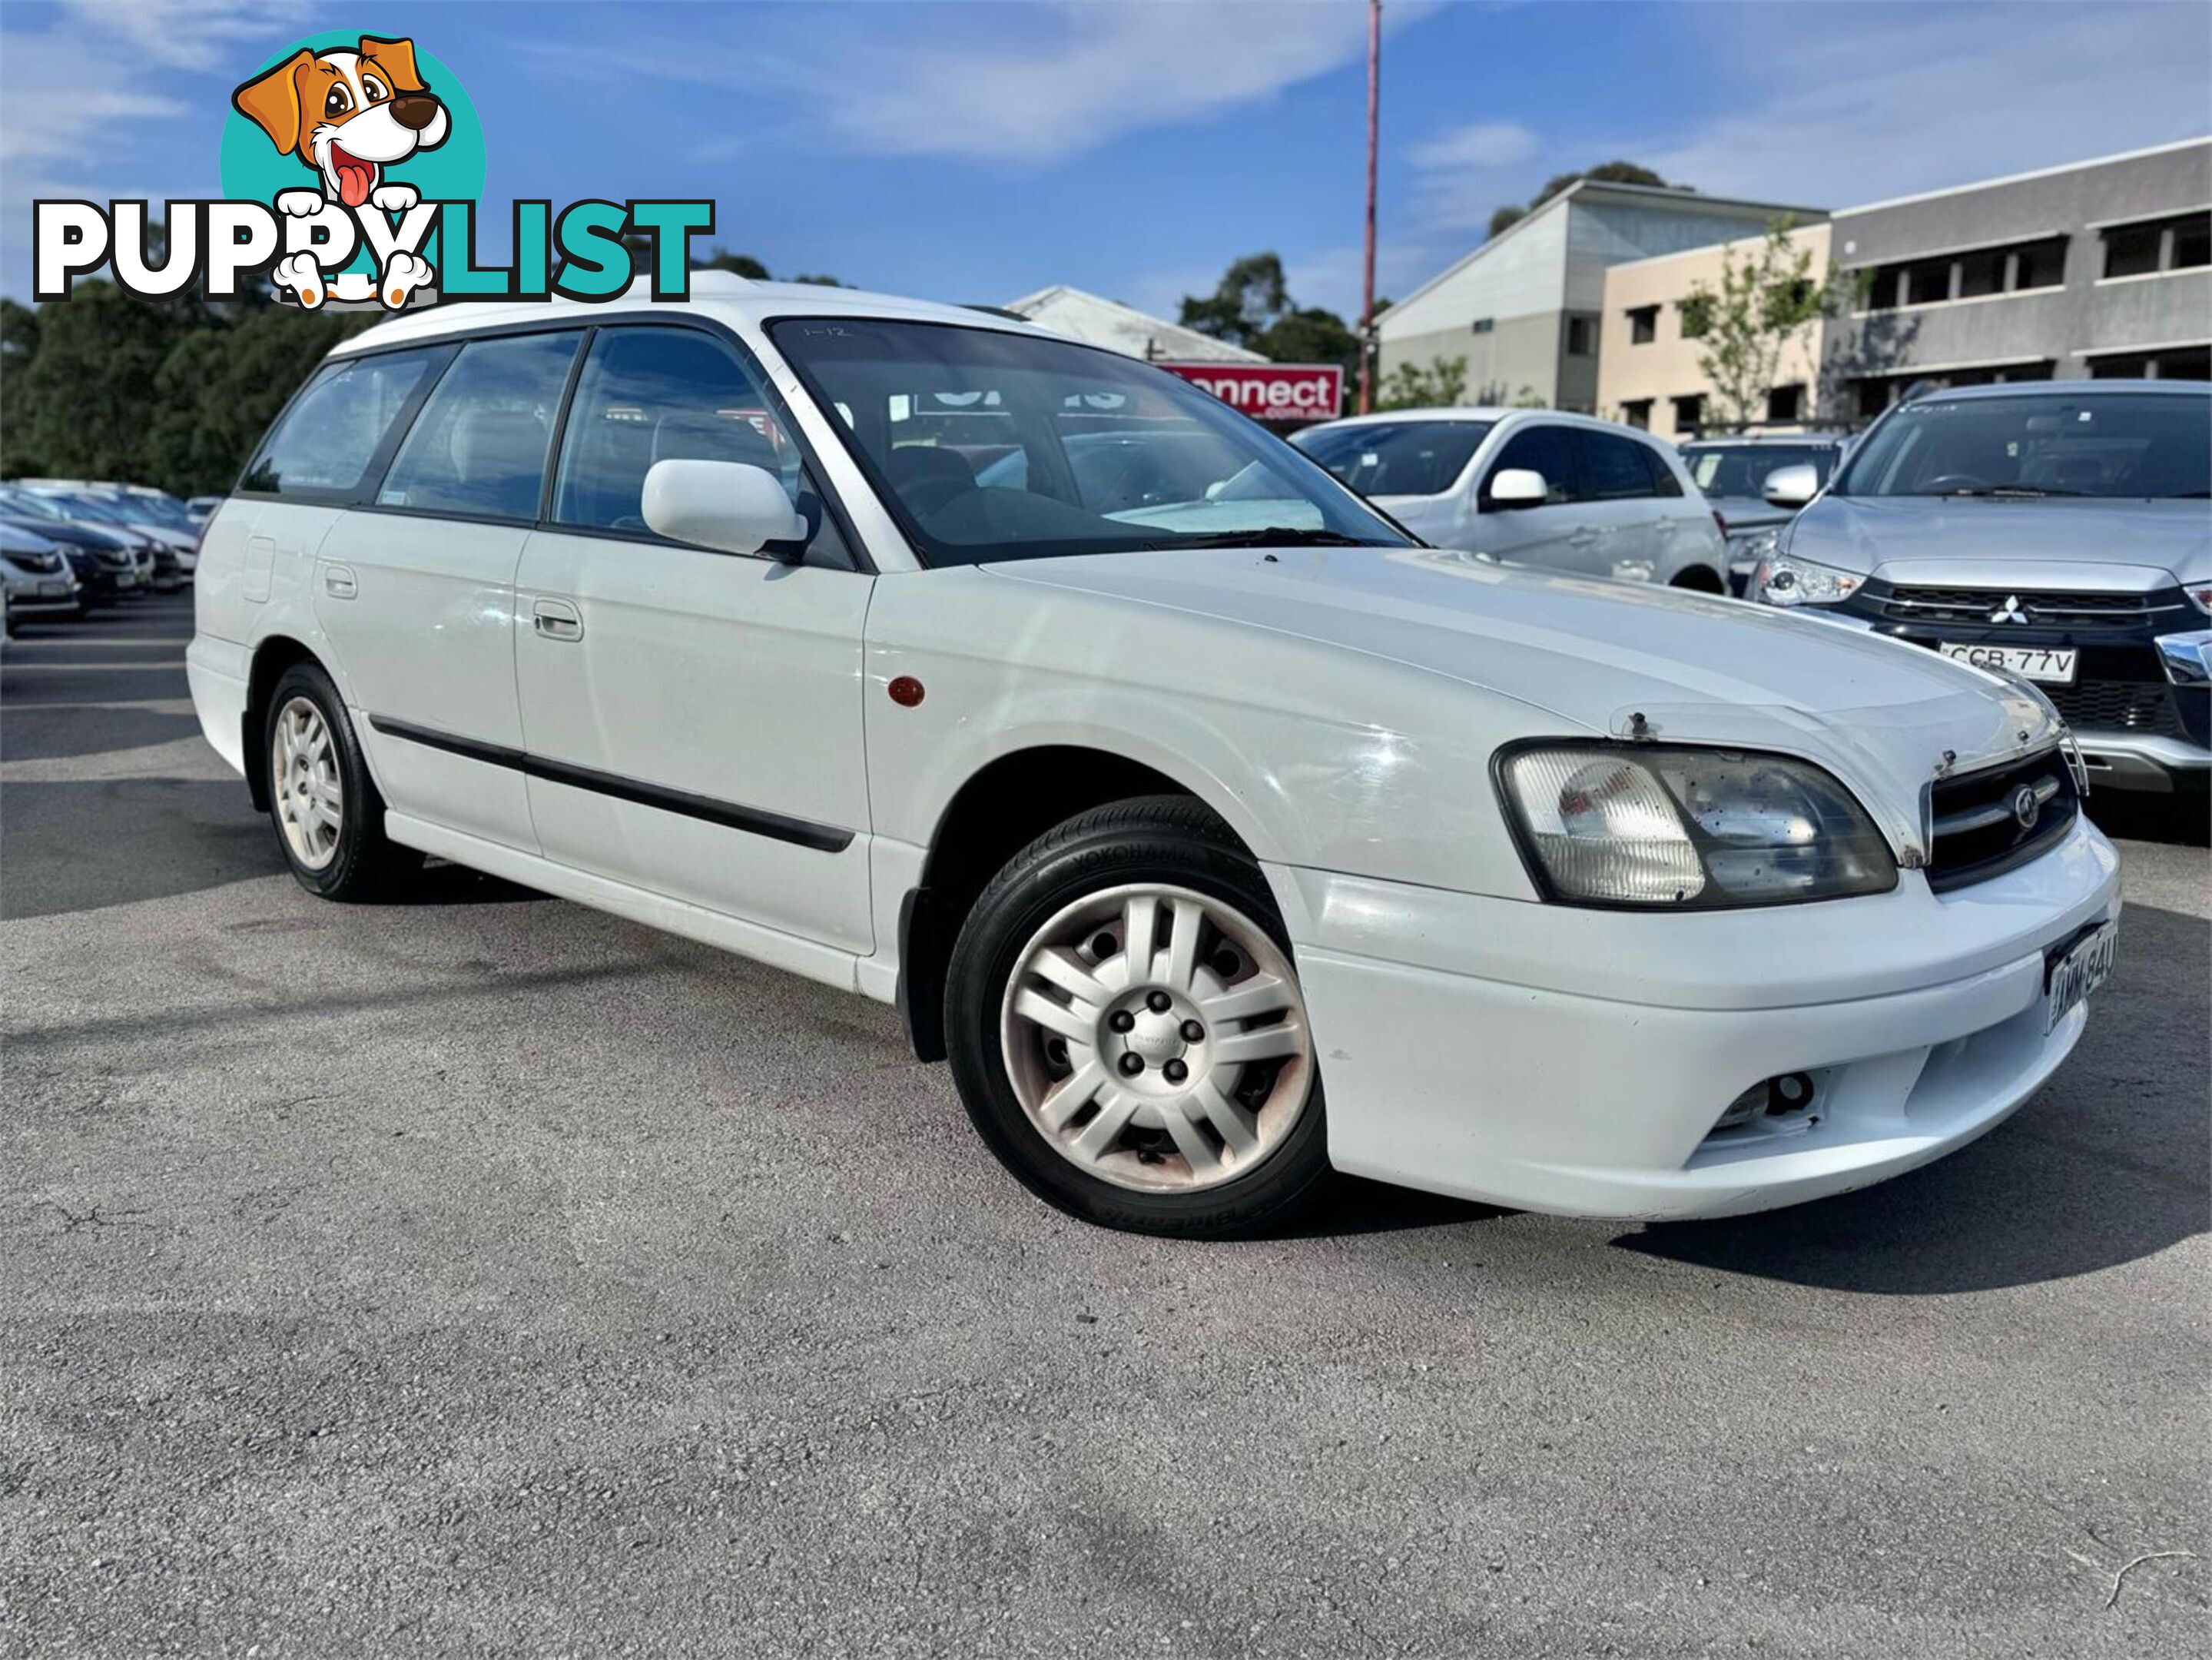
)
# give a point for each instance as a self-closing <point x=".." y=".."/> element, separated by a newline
<point x="2009" y="611"/>
<point x="2025" y="806"/>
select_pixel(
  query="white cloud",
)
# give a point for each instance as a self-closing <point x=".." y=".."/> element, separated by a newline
<point x="1484" y="144"/>
<point x="90" y="93"/>
<point x="1885" y="101"/>
<point x="1034" y="83"/>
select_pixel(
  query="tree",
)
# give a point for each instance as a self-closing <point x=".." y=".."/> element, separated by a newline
<point x="1611" y="173"/>
<point x="1309" y="335"/>
<point x="1411" y="386"/>
<point x="818" y="281"/>
<point x="1765" y="301"/>
<point x="743" y="265"/>
<point x="1251" y="295"/>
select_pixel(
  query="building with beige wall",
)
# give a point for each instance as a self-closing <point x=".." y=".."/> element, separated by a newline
<point x="1648" y="368"/>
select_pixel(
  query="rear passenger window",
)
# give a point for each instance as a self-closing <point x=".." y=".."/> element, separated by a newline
<point x="664" y="394"/>
<point x="478" y="450"/>
<point x="324" y="444"/>
<point x="1541" y="449"/>
<point x="1665" y="481"/>
<point x="1613" y="469"/>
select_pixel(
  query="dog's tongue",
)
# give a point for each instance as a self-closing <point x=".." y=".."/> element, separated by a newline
<point x="355" y="177"/>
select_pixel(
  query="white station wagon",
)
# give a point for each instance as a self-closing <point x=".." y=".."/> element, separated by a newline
<point x="1220" y="834"/>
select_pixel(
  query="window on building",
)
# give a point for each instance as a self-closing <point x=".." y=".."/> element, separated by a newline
<point x="1873" y="394"/>
<point x="2011" y="267"/>
<point x="2172" y="363"/>
<point x="1643" y="325"/>
<point x="1580" y="337"/>
<point x="1637" y="412"/>
<point x="2148" y="247"/>
<point x="1693" y="323"/>
<point x="1484" y="325"/>
<point x="1690" y="412"/>
<point x="1784" y="402"/>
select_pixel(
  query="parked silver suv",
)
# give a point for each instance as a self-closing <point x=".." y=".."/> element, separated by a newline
<point x="2061" y="532"/>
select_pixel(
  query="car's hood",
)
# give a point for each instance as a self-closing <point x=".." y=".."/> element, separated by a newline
<point x="2058" y="541"/>
<point x="1590" y="654"/>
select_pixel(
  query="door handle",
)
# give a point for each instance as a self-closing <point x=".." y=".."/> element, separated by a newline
<point x="556" y="619"/>
<point x="338" y="582"/>
<point x="1583" y="537"/>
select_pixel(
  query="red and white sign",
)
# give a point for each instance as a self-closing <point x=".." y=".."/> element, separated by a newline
<point x="1271" y="391"/>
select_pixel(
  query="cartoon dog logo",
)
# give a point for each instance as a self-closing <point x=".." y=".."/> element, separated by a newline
<point x="348" y="116"/>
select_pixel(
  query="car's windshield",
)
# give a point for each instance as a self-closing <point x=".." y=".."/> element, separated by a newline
<point x="1741" y="470"/>
<point x="992" y="445"/>
<point x="2076" y="443"/>
<point x="1396" y="457"/>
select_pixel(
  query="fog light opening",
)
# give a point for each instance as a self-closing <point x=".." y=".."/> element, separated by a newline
<point x="1783" y="1102"/>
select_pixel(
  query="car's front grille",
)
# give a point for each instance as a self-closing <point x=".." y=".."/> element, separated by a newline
<point x="2118" y="706"/>
<point x="1983" y="607"/>
<point x="1984" y="822"/>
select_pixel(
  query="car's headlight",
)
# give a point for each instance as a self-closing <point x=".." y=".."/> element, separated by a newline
<point x="1783" y="579"/>
<point x="2201" y="593"/>
<point x="1751" y="545"/>
<point x="1650" y="824"/>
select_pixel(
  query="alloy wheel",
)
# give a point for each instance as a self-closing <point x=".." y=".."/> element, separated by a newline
<point x="1157" y="1039"/>
<point x="304" y="783"/>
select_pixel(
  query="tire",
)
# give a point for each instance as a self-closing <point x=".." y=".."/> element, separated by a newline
<point x="1234" y="1144"/>
<point x="354" y="861"/>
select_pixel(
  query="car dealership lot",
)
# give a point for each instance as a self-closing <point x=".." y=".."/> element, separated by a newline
<point x="487" y="1271"/>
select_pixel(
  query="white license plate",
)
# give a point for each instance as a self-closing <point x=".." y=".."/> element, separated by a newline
<point x="2050" y="665"/>
<point x="2079" y="971"/>
<point x="52" y="590"/>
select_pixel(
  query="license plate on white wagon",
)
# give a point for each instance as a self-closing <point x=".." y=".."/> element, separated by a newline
<point x="2077" y="968"/>
<point x="2050" y="666"/>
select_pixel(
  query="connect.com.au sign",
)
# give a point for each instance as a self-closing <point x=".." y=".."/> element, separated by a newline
<point x="1271" y="391"/>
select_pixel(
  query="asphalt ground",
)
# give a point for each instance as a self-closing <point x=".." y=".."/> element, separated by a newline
<point x="484" y="1273"/>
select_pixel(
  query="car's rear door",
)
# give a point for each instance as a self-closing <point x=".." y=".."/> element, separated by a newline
<point x="693" y="718"/>
<point x="416" y="587"/>
<point x="1634" y="535"/>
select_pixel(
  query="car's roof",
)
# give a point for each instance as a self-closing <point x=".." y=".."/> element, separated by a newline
<point x="720" y="295"/>
<point x="1798" y="439"/>
<point x="1438" y="412"/>
<point x="2070" y="389"/>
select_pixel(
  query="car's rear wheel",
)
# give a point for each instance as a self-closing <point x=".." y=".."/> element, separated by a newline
<point x="328" y="814"/>
<point x="1127" y="1028"/>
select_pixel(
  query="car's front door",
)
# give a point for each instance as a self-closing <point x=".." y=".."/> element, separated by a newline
<point x="693" y="719"/>
<point x="416" y="588"/>
<point x="1555" y="533"/>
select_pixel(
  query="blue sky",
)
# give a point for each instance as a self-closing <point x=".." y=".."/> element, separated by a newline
<point x="976" y="151"/>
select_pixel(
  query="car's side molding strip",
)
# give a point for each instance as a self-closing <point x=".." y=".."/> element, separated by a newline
<point x="755" y="821"/>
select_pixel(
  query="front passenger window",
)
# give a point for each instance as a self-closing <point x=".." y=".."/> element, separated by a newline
<point x="1543" y="449"/>
<point x="654" y="394"/>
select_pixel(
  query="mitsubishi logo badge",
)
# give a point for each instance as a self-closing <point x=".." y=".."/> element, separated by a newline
<point x="2009" y="611"/>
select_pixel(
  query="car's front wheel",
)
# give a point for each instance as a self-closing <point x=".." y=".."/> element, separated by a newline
<point x="328" y="814"/>
<point x="1127" y="1029"/>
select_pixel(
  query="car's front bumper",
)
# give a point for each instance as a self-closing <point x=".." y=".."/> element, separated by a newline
<point x="1573" y="1060"/>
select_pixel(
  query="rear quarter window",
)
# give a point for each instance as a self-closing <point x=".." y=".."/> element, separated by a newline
<point x="322" y="445"/>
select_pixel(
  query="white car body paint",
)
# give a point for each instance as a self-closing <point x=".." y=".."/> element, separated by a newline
<point x="1340" y="708"/>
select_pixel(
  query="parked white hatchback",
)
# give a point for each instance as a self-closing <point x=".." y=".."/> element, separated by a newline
<point x="1533" y="486"/>
<point x="1218" y="840"/>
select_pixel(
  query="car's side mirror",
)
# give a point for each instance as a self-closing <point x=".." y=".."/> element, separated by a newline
<point x="1791" y="487"/>
<point x="725" y="505"/>
<point x="1518" y="487"/>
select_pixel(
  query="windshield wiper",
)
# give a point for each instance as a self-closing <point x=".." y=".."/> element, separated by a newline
<point x="1277" y="536"/>
<point x="2016" y="492"/>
